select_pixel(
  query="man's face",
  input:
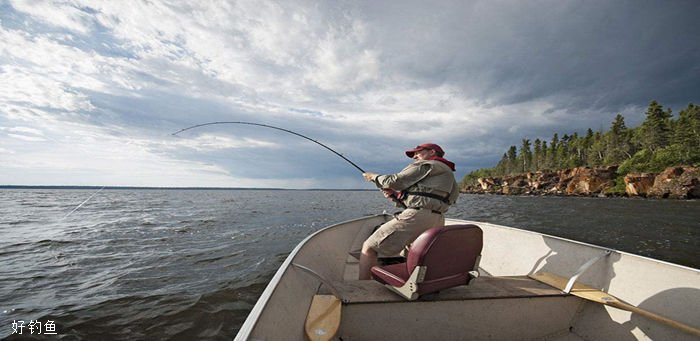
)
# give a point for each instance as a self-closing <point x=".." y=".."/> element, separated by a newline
<point x="423" y="154"/>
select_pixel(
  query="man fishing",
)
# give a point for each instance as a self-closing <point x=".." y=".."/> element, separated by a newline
<point x="427" y="187"/>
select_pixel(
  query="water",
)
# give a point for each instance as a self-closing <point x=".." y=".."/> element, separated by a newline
<point x="185" y="264"/>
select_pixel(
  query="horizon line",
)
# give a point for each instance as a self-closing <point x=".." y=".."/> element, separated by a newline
<point x="175" y="188"/>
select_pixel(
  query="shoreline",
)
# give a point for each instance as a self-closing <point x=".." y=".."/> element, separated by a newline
<point x="678" y="182"/>
<point x="593" y="196"/>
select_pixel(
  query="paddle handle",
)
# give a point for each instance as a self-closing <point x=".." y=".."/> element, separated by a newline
<point x="675" y="324"/>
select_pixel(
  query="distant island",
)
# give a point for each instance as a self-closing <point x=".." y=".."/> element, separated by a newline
<point x="660" y="159"/>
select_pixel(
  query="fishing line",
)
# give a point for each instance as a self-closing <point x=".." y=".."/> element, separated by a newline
<point x="83" y="203"/>
<point x="392" y="196"/>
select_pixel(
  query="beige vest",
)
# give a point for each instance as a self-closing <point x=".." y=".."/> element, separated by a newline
<point x="426" y="176"/>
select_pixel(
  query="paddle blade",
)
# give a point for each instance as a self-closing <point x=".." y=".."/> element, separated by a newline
<point x="595" y="295"/>
<point x="580" y="290"/>
<point x="323" y="319"/>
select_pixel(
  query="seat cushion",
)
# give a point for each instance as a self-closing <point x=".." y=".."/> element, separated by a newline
<point x="447" y="253"/>
<point x="394" y="274"/>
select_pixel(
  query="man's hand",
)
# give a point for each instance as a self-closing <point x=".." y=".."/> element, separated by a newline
<point x="388" y="192"/>
<point x="370" y="176"/>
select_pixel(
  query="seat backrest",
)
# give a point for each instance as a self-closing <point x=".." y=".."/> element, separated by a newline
<point x="446" y="250"/>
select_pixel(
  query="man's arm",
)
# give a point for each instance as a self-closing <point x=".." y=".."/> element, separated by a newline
<point x="406" y="178"/>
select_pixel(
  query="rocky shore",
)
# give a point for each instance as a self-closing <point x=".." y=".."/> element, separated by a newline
<point x="681" y="182"/>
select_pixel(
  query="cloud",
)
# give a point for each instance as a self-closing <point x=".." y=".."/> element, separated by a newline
<point x="368" y="79"/>
<point x="89" y="155"/>
<point x="62" y="14"/>
<point x="26" y="137"/>
<point x="24" y="130"/>
<point x="206" y="142"/>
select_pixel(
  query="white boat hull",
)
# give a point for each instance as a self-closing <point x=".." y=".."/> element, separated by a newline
<point x="663" y="288"/>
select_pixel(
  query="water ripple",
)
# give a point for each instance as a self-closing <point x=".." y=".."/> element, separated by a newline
<point x="187" y="264"/>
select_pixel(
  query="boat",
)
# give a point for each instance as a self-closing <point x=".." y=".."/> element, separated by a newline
<point x="529" y="286"/>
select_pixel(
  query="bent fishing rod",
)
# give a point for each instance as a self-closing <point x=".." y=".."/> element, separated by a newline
<point x="272" y="127"/>
<point x="392" y="196"/>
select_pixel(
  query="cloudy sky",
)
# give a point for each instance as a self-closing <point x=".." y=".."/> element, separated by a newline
<point x="90" y="91"/>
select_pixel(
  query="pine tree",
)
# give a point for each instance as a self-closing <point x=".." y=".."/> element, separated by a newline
<point x="587" y="144"/>
<point x="618" y="142"/>
<point x="655" y="132"/>
<point x="537" y="158"/>
<point x="502" y="166"/>
<point x="526" y="155"/>
<point x="512" y="160"/>
<point x="658" y="143"/>
<point x="545" y="155"/>
<point x="687" y="134"/>
<point x="553" y="146"/>
<point x="563" y="152"/>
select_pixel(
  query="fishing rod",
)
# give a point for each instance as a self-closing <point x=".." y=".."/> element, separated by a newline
<point x="392" y="196"/>
<point x="272" y="127"/>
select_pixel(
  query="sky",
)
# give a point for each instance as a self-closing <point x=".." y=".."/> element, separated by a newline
<point x="91" y="91"/>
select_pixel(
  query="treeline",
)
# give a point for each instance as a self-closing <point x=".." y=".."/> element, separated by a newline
<point x="660" y="141"/>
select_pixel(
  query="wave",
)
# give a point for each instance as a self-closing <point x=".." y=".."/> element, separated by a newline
<point x="20" y="222"/>
<point x="52" y="242"/>
<point x="213" y="315"/>
<point x="215" y="259"/>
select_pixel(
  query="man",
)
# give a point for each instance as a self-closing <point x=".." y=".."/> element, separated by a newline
<point x="427" y="188"/>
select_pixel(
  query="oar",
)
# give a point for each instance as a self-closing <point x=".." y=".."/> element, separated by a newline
<point x="595" y="295"/>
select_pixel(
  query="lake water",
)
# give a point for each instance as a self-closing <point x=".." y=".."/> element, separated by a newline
<point x="190" y="264"/>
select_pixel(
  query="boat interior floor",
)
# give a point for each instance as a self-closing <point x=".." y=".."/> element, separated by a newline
<point x="538" y="310"/>
<point x="486" y="287"/>
<point x="530" y="309"/>
<point x="353" y="291"/>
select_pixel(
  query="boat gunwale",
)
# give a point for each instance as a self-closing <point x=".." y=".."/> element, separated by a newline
<point x="254" y="315"/>
<point x="602" y="248"/>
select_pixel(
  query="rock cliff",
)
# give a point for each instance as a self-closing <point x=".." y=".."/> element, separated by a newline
<point x="677" y="183"/>
<point x="639" y="184"/>
<point x="682" y="182"/>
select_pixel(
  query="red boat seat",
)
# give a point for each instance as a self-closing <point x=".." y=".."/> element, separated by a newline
<point x="440" y="258"/>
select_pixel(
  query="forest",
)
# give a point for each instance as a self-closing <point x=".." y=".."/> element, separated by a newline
<point x="661" y="141"/>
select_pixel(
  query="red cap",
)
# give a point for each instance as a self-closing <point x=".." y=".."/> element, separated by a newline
<point x="432" y="146"/>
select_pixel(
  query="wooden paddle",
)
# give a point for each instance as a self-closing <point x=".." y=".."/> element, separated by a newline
<point x="323" y="319"/>
<point x="601" y="297"/>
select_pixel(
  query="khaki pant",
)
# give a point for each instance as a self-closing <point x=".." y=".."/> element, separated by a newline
<point x="391" y="238"/>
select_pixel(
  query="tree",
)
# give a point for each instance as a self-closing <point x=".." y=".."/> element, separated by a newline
<point x="597" y="151"/>
<point x="687" y="134"/>
<point x="512" y="160"/>
<point x="655" y="132"/>
<point x="587" y="144"/>
<point x="545" y="155"/>
<point x="526" y="155"/>
<point x="618" y="142"/>
<point x="576" y="151"/>
<point x="537" y="158"/>
<point x="502" y="166"/>
<point x="552" y="160"/>
<point x="659" y="142"/>
<point x="562" y="152"/>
